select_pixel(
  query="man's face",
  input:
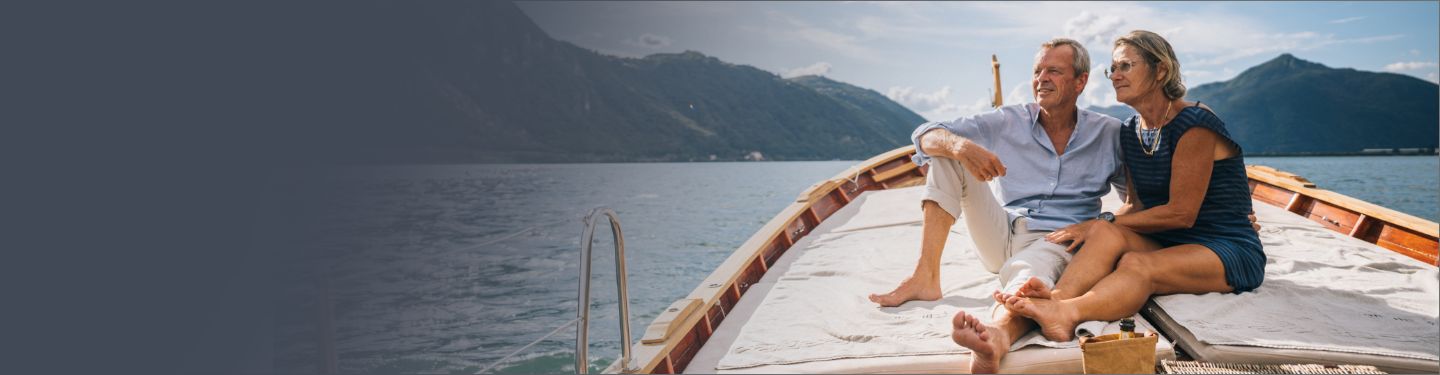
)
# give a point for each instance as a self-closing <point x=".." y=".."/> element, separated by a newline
<point x="1054" y="82"/>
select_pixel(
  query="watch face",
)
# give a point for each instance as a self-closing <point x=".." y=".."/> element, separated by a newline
<point x="1107" y="216"/>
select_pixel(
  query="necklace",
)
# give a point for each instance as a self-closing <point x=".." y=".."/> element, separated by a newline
<point x="1156" y="146"/>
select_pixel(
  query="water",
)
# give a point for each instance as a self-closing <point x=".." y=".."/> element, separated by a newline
<point x="417" y="290"/>
<point x="1404" y="183"/>
<point x="445" y="269"/>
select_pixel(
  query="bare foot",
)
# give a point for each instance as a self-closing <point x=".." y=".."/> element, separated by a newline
<point x="1057" y="320"/>
<point x="986" y="344"/>
<point x="1034" y="288"/>
<point x="912" y="289"/>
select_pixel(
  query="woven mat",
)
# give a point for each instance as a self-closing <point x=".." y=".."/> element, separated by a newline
<point x="1191" y="367"/>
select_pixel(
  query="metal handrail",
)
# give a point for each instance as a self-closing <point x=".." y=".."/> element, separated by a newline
<point x="581" y="332"/>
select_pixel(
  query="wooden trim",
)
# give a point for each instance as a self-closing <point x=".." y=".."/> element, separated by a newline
<point x="1394" y="230"/>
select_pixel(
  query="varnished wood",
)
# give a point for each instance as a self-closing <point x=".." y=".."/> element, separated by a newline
<point x="1390" y="229"/>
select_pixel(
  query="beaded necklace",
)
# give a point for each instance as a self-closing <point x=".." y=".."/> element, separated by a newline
<point x="1141" y="133"/>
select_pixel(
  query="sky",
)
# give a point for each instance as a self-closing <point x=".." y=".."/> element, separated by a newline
<point x="934" y="58"/>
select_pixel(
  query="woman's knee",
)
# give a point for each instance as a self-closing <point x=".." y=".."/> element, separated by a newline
<point x="1136" y="262"/>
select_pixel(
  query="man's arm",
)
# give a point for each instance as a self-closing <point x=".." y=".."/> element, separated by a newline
<point x="1131" y="203"/>
<point x="980" y="162"/>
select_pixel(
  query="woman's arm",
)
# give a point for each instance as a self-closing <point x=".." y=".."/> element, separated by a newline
<point x="1190" y="169"/>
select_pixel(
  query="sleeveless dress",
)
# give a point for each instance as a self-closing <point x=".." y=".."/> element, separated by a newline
<point x="1223" y="224"/>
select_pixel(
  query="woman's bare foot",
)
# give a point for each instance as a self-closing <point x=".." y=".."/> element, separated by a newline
<point x="1034" y="288"/>
<point x="912" y="289"/>
<point x="987" y="344"/>
<point x="1057" y="319"/>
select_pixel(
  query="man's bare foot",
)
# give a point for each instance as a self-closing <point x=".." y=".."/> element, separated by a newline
<point x="912" y="289"/>
<point x="987" y="344"/>
<point x="1057" y="319"/>
<point x="1034" y="288"/>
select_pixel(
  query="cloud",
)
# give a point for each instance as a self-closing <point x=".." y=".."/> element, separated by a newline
<point x="1347" y="20"/>
<point x="1020" y="93"/>
<point x="846" y="44"/>
<point x="1429" y="69"/>
<point x="1098" y="91"/>
<point x="816" y="69"/>
<point x="938" y="105"/>
<point x="1092" y="29"/>
<point x="1411" y="65"/>
<point x="650" y="41"/>
<point x="1286" y="42"/>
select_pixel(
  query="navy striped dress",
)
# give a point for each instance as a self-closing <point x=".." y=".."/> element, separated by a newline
<point x="1223" y="224"/>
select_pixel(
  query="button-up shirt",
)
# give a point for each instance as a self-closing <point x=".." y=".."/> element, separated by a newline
<point x="1050" y="189"/>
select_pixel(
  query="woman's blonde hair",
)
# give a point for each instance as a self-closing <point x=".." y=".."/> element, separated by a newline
<point x="1156" y="52"/>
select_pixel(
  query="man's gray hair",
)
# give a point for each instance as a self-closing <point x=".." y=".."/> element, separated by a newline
<point x="1082" y="57"/>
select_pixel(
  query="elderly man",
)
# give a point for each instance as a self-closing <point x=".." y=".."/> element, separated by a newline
<point x="1053" y="162"/>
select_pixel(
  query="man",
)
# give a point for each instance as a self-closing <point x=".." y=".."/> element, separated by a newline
<point x="1053" y="162"/>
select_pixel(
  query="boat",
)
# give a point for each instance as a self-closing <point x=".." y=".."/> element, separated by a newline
<point x="693" y="320"/>
<point x="1365" y="231"/>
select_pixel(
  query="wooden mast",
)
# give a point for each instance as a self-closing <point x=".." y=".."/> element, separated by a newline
<point x="995" y="70"/>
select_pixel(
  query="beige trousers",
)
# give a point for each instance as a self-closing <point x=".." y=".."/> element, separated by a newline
<point x="1008" y="249"/>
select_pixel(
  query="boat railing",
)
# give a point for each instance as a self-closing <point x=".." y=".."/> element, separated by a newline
<point x="581" y="333"/>
<point x="582" y="343"/>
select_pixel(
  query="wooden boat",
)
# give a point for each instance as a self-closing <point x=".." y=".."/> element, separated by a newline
<point x="678" y="333"/>
<point x="685" y="327"/>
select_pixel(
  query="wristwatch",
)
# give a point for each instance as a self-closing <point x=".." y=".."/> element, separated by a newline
<point x="1107" y="216"/>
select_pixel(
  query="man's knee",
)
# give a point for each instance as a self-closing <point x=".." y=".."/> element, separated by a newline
<point x="931" y="208"/>
<point x="1104" y="230"/>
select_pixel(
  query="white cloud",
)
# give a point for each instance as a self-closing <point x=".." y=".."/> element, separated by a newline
<point x="816" y="69"/>
<point x="650" y="41"/>
<point x="939" y="105"/>
<point x="1410" y="65"/>
<point x="1098" y="91"/>
<point x="1020" y="93"/>
<point x="1285" y="42"/>
<point x="1347" y="20"/>
<point x="1429" y="69"/>
<point x="845" y="44"/>
<point x="1091" y="29"/>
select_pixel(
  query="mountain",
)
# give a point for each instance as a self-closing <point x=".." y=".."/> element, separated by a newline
<point x="497" y="88"/>
<point x="1289" y="105"/>
<point x="1121" y="111"/>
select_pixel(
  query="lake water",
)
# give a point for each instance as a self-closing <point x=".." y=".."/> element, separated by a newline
<point x="446" y="269"/>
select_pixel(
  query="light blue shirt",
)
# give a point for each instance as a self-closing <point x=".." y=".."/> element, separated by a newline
<point x="1052" y="190"/>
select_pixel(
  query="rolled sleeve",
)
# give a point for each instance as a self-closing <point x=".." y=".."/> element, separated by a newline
<point x="969" y="127"/>
<point x="921" y="157"/>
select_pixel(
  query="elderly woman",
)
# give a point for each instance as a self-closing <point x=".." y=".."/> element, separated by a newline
<point x="1186" y="226"/>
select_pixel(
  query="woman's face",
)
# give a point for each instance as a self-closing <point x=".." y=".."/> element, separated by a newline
<point x="1131" y="77"/>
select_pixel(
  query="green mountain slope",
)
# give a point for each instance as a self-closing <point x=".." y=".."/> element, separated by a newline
<point x="1289" y="105"/>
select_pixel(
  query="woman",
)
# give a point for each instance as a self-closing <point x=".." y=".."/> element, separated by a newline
<point x="1185" y="227"/>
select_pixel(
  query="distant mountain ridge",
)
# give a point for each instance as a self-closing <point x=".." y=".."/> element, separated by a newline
<point x="1289" y="105"/>
<point x="502" y="90"/>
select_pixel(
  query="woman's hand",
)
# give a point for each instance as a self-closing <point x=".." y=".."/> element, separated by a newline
<point x="1075" y="234"/>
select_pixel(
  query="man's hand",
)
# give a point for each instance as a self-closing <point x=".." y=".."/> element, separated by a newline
<point x="1253" y="223"/>
<point x="981" y="163"/>
<point x="1074" y="233"/>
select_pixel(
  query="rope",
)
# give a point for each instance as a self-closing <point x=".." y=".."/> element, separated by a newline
<point x="527" y="346"/>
